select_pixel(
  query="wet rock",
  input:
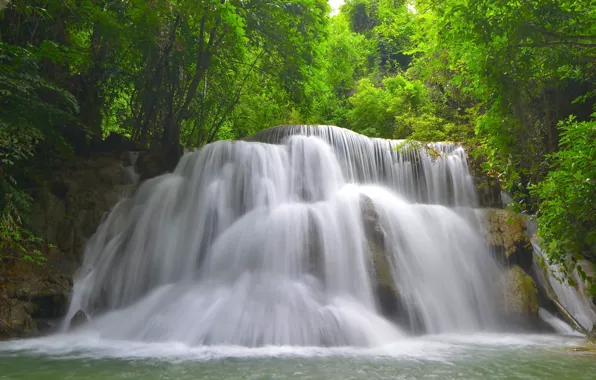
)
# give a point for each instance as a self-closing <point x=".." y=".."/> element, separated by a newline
<point x="488" y="188"/>
<point x="66" y="212"/>
<point x="16" y="319"/>
<point x="591" y="337"/>
<point x="587" y="349"/>
<point x="505" y="230"/>
<point x="158" y="161"/>
<point x="388" y="296"/>
<point x="376" y="245"/>
<point x="79" y="319"/>
<point x="520" y="294"/>
<point x="505" y="233"/>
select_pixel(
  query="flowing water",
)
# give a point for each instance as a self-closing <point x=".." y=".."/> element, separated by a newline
<point x="573" y="298"/>
<point x="265" y="259"/>
<point x="444" y="357"/>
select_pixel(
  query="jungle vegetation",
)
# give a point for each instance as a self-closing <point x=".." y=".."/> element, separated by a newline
<point x="512" y="80"/>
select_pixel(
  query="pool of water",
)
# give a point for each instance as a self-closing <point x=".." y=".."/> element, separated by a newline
<point x="481" y="356"/>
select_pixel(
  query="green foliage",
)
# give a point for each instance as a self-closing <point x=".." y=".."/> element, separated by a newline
<point x="524" y="61"/>
<point x="31" y="110"/>
<point x="18" y="243"/>
<point x="495" y="75"/>
<point x="567" y="216"/>
<point x="27" y="98"/>
<point x="160" y="73"/>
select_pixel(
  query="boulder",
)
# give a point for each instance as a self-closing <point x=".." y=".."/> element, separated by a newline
<point x="520" y="295"/>
<point x="388" y="296"/>
<point x="77" y="320"/>
<point x="376" y="245"/>
<point x="505" y="230"/>
<point x="158" y="161"/>
<point x="505" y="233"/>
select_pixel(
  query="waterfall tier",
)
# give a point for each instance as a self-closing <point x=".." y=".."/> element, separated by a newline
<point x="266" y="242"/>
<point x="421" y="172"/>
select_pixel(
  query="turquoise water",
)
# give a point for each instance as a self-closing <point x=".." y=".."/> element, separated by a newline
<point x="432" y="357"/>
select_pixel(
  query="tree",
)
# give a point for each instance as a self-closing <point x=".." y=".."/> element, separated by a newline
<point x="567" y="216"/>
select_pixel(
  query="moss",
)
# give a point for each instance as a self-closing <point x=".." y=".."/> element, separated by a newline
<point x="591" y="337"/>
<point x="521" y="295"/>
<point x="587" y="348"/>
<point x="506" y="230"/>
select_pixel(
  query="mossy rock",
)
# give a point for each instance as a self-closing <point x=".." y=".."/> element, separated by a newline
<point x="376" y="244"/>
<point x="591" y="337"/>
<point x="506" y="230"/>
<point x="386" y="292"/>
<point x="588" y="349"/>
<point x="520" y="293"/>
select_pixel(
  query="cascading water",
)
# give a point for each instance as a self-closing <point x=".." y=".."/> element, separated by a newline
<point x="264" y="242"/>
<point x="557" y="324"/>
<point x="573" y="299"/>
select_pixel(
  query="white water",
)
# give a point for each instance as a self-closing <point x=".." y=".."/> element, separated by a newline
<point x="557" y="324"/>
<point x="446" y="348"/>
<point x="256" y="244"/>
<point x="573" y="299"/>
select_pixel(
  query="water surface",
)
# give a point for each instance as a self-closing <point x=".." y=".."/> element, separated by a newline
<point x="476" y="356"/>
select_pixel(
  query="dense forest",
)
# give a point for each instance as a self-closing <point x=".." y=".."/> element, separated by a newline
<point x="512" y="80"/>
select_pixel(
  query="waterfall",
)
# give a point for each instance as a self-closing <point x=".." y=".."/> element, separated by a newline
<point x="286" y="238"/>
<point x="557" y="324"/>
<point x="573" y="299"/>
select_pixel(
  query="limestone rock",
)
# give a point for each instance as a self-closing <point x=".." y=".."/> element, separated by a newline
<point x="79" y="319"/>
<point x="591" y="337"/>
<point x="156" y="162"/>
<point x="67" y="210"/>
<point x="387" y="294"/>
<point x="520" y="294"/>
<point x="376" y="244"/>
<point x="488" y="187"/>
<point x="15" y="318"/>
<point x="505" y="230"/>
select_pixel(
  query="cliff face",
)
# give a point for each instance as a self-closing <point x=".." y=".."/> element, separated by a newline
<point x="505" y="234"/>
<point x="66" y="212"/>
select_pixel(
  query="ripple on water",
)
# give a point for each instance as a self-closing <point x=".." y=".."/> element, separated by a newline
<point x="493" y="356"/>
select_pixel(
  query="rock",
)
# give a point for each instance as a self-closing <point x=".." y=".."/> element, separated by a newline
<point x="505" y="233"/>
<point x="112" y="175"/>
<point x="588" y="349"/>
<point x="506" y="230"/>
<point x="66" y="211"/>
<point x="488" y="186"/>
<point x="159" y="161"/>
<point x="520" y="294"/>
<point x="388" y="296"/>
<point x="376" y="244"/>
<point x="591" y="337"/>
<point x="15" y="318"/>
<point x="77" y="320"/>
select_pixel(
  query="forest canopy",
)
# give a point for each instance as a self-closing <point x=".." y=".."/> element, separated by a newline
<point x="512" y="80"/>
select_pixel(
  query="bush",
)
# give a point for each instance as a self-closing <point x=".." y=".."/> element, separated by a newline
<point x="567" y="214"/>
